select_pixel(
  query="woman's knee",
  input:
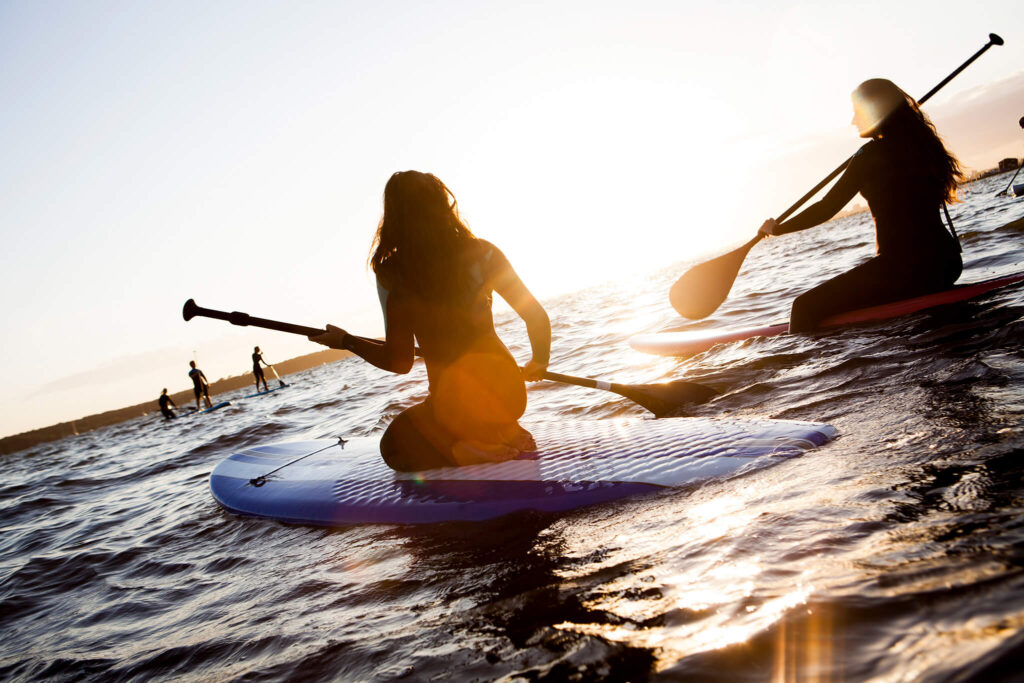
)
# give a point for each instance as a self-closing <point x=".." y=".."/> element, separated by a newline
<point x="413" y="441"/>
<point x="806" y="313"/>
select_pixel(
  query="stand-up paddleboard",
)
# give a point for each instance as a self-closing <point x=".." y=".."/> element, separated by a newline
<point x="268" y="391"/>
<point x="215" y="406"/>
<point x="334" y="482"/>
<point x="697" y="341"/>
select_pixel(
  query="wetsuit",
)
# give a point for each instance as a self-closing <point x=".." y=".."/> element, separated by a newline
<point x="258" y="371"/>
<point x="199" y="384"/>
<point x="916" y="253"/>
<point x="164" y="400"/>
<point x="474" y="379"/>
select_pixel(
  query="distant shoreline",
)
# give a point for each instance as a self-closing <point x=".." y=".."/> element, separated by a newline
<point x="24" y="440"/>
<point x="988" y="173"/>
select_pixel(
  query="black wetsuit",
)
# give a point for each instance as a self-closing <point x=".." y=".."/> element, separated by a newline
<point x="164" y="400"/>
<point x="258" y="371"/>
<point x="199" y="384"/>
<point x="917" y="254"/>
<point x="415" y="440"/>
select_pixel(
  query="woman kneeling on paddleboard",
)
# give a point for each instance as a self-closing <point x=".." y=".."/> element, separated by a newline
<point x="906" y="175"/>
<point x="435" y="281"/>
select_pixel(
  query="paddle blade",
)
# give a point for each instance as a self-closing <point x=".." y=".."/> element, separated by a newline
<point x="703" y="288"/>
<point x="667" y="398"/>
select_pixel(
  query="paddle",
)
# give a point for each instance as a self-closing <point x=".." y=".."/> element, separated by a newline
<point x="703" y="288"/>
<point x="660" y="399"/>
<point x="279" y="380"/>
<point x="1009" y="184"/>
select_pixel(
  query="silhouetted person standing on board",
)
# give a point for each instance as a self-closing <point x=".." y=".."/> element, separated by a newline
<point x="907" y="176"/>
<point x="200" y="385"/>
<point x="436" y="280"/>
<point x="164" y="401"/>
<point x="257" y="371"/>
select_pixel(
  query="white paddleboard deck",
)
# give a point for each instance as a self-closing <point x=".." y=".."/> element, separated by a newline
<point x="690" y="343"/>
<point x="577" y="464"/>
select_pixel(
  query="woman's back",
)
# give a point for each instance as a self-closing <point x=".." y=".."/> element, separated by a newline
<point x="905" y="200"/>
<point x="476" y="386"/>
<point x="450" y="327"/>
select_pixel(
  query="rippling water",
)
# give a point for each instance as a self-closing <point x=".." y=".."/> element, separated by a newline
<point x="895" y="553"/>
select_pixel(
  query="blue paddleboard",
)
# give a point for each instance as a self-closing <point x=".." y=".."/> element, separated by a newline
<point x="578" y="463"/>
<point x="216" y="406"/>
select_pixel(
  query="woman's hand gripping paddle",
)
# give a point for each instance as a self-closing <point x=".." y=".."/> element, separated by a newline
<point x="661" y="399"/>
<point x="703" y="288"/>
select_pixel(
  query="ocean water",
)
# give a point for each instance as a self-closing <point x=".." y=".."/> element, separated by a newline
<point x="896" y="553"/>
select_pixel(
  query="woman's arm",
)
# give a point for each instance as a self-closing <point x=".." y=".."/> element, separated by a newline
<point x="394" y="354"/>
<point x="842" y="192"/>
<point x="538" y="325"/>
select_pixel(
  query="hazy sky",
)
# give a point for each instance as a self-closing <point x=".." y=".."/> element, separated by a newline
<point x="235" y="152"/>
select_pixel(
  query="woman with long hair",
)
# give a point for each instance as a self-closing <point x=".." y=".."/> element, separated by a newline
<point x="907" y="176"/>
<point x="435" y="280"/>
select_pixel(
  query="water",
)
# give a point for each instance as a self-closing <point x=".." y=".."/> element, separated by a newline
<point x="894" y="554"/>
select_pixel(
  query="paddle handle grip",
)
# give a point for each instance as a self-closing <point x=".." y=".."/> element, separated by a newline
<point x="993" y="39"/>
<point x="191" y="310"/>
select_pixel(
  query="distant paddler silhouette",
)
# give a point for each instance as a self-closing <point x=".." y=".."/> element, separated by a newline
<point x="1019" y="166"/>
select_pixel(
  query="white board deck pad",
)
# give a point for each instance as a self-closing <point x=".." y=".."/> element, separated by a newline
<point x="578" y="463"/>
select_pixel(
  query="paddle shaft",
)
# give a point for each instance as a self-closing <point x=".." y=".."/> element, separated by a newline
<point x="1010" y="184"/>
<point x="191" y="310"/>
<point x="580" y="381"/>
<point x="246" y="320"/>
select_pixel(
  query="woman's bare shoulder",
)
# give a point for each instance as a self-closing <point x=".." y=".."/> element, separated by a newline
<point x="487" y="253"/>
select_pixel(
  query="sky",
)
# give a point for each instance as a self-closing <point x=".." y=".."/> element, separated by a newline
<point x="236" y="153"/>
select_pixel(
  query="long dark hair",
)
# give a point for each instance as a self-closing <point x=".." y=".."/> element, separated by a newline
<point x="913" y="133"/>
<point x="419" y="237"/>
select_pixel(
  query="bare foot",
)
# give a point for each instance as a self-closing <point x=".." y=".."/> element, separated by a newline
<point x="515" y="436"/>
<point x="477" y="452"/>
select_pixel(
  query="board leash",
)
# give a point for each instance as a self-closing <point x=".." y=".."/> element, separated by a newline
<point x="262" y="479"/>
